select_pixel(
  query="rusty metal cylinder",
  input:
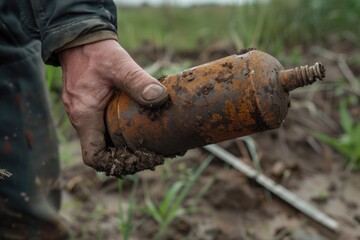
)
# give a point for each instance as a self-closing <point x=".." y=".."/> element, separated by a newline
<point x="231" y="97"/>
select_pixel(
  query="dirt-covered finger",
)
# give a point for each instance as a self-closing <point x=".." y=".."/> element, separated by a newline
<point x="138" y="84"/>
<point x="117" y="162"/>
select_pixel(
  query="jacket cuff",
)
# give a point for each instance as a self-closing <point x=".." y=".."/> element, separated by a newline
<point x="89" y="38"/>
<point x="56" y="38"/>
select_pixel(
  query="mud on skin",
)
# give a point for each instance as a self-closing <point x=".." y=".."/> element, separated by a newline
<point x="124" y="162"/>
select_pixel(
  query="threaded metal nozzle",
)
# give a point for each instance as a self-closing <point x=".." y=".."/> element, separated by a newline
<point x="301" y="76"/>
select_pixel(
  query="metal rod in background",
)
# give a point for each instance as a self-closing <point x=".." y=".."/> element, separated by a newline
<point x="275" y="188"/>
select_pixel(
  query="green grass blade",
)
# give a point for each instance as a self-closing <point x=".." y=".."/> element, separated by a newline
<point x="334" y="143"/>
<point x="345" y="118"/>
<point x="169" y="197"/>
<point x="152" y="211"/>
<point x="126" y="223"/>
<point x="203" y="191"/>
<point x="120" y="206"/>
<point x="180" y="199"/>
<point x="131" y="209"/>
<point x="150" y="207"/>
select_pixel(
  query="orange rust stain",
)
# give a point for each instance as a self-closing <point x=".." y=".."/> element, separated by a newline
<point x="165" y="122"/>
<point x="112" y="115"/>
<point x="216" y="118"/>
<point x="230" y="110"/>
<point x="245" y="112"/>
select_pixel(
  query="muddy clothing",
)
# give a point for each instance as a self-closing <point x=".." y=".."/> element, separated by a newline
<point x="30" y="198"/>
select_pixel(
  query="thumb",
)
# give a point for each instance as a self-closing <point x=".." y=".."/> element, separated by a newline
<point x="129" y="77"/>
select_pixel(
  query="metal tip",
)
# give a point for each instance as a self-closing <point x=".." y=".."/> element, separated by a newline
<point x="319" y="70"/>
<point x="301" y="76"/>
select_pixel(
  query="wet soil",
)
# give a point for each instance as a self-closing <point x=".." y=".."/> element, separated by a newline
<point x="234" y="207"/>
<point x="245" y="50"/>
<point x="154" y="113"/>
<point x="125" y="162"/>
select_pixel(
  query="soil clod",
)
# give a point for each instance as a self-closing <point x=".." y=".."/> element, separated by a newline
<point x="155" y="113"/>
<point x="245" y="50"/>
<point x="124" y="162"/>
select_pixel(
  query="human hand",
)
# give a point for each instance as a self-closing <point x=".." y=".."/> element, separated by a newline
<point x="91" y="73"/>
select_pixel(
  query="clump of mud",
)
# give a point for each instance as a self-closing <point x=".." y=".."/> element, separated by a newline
<point x="123" y="161"/>
<point x="162" y="78"/>
<point x="155" y="113"/>
<point x="245" y="50"/>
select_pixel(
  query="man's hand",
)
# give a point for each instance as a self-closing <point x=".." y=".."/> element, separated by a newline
<point x="90" y="74"/>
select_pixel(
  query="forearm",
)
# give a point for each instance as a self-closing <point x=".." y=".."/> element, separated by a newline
<point x="60" y="24"/>
<point x="80" y="35"/>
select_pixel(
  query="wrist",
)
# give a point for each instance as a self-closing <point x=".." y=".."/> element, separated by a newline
<point x="94" y="56"/>
<point x="91" y="37"/>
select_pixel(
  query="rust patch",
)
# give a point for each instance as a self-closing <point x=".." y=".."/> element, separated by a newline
<point x="222" y="78"/>
<point x="190" y="79"/>
<point x="199" y="121"/>
<point x="228" y="65"/>
<point x="180" y="90"/>
<point x="188" y="75"/>
<point x="206" y="89"/>
<point x="260" y="123"/>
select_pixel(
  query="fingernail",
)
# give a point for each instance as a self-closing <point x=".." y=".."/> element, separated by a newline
<point x="152" y="91"/>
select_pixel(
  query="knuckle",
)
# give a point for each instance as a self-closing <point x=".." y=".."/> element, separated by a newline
<point x="87" y="159"/>
<point x="134" y="77"/>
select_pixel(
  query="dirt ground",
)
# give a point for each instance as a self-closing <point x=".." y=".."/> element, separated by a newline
<point x="235" y="207"/>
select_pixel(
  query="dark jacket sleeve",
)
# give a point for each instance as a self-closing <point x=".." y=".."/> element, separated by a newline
<point x="56" y="23"/>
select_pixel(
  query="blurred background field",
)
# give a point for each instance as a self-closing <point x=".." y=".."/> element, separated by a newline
<point x="316" y="153"/>
<point x="275" y="25"/>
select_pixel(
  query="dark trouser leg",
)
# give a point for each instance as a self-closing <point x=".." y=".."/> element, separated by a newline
<point x="30" y="198"/>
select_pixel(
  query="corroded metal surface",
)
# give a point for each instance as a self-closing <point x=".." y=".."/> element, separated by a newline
<point x="301" y="76"/>
<point x="228" y="98"/>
